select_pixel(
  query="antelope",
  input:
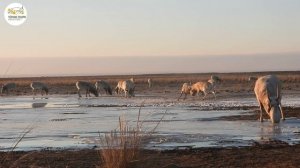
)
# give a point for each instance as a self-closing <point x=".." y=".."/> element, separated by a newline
<point x="206" y="87"/>
<point x="268" y="94"/>
<point x="127" y="86"/>
<point x="122" y="87"/>
<point x="149" y="82"/>
<point x="88" y="87"/>
<point x="8" y="87"/>
<point x="118" y="87"/>
<point x="185" y="89"/>
<point x="103" y="85"/>
<point x="39" y="86"/>
<point x="215" y="81"/>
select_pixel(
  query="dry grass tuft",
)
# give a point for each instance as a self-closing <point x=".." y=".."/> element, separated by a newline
<point x="121" y="147"/>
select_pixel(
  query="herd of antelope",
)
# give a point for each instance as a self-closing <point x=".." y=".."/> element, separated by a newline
<point x="267" y="90"/>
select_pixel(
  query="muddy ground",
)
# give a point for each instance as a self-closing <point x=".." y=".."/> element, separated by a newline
<point x="273" y="154"/>
<point x="268" y="154"/>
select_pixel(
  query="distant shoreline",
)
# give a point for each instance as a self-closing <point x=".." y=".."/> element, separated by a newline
<point x="153" y="74"/>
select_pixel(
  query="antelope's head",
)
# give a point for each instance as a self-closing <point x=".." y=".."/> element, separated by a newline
<point x="94" y="91"/>
<point x="274" y="108"/>
<point x="46" y="90"/>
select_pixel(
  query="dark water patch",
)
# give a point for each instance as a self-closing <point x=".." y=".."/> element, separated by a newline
<point x="270" y="143"/>
<point x="104" y="105"/>
<point x="158" y="120"/>
<point x="238" y="117"/>
<point x="62" y="119"/>
<point x="38" y="105"/>
<point x="220" y="108"/>
<point x="59" y="119"/>
<point x="223" y="118"/>
<point x="163" y="113"/>
<point x="73" y="113"/>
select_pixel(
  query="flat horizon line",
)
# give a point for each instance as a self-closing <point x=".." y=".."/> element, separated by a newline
<point x="146" y="74"/>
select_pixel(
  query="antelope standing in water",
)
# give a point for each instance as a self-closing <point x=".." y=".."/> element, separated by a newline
<point x="88" y="87"/>
<point x="39" y="86"/>
<point x="7" y="87"/>
<point x="103" y="85"/>
<point x="268" y="94"/>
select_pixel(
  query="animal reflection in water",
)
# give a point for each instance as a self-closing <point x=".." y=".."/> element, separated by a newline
<point x="38" y="105"/>
<point x="270" y="131"/>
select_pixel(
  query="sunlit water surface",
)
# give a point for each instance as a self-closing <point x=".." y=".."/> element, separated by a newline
<point x="69" y="122"/>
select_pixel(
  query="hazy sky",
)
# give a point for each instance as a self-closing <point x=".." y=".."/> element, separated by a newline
<point x="161" y="28"/>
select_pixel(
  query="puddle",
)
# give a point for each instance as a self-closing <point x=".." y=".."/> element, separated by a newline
<point x="69" y="122"/>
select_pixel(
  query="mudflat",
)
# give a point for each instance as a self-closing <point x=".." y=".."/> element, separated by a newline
<point x="270" y="153"/>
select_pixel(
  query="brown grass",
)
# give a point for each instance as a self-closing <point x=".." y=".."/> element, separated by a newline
<point x="66" y="85"/>
<point x="121" y="147"/>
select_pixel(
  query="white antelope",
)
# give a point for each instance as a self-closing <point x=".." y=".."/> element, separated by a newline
<point x="118" y="88"/>
<point x="128" y="87"/>
<point x="88" y="87"/>
<point x="149" y="82"/>
<point x="103" y="85"/>
<point x="185" y="89"/>
<point x="268" y="94"/>
<point x="8" y="87"/>
<point x="39" y="86"/>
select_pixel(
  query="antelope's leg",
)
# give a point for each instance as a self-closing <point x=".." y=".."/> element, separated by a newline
<point x="79" y="94"/>
<point x="86" y="92"/>
<point x="282" y="114"/>
<point x="184" y="96"/>
<point x="214" y="93"/>
<point x="204" y="92"/>
<point x="33" y="93"/>
<point x="179" y="96"/>
<point x="261" y="112"/>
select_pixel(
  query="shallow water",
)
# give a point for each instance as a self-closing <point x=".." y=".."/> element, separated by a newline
<point x="69" y="122"/>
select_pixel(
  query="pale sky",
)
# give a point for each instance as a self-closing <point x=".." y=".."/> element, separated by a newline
<point x="148" y="28"/>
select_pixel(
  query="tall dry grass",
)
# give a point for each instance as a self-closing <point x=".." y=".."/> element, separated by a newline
<point x="122" y="146"/>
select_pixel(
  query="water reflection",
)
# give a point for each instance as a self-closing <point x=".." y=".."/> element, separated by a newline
<point x="270" y="131"/>
<point x="38" y="105"/>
